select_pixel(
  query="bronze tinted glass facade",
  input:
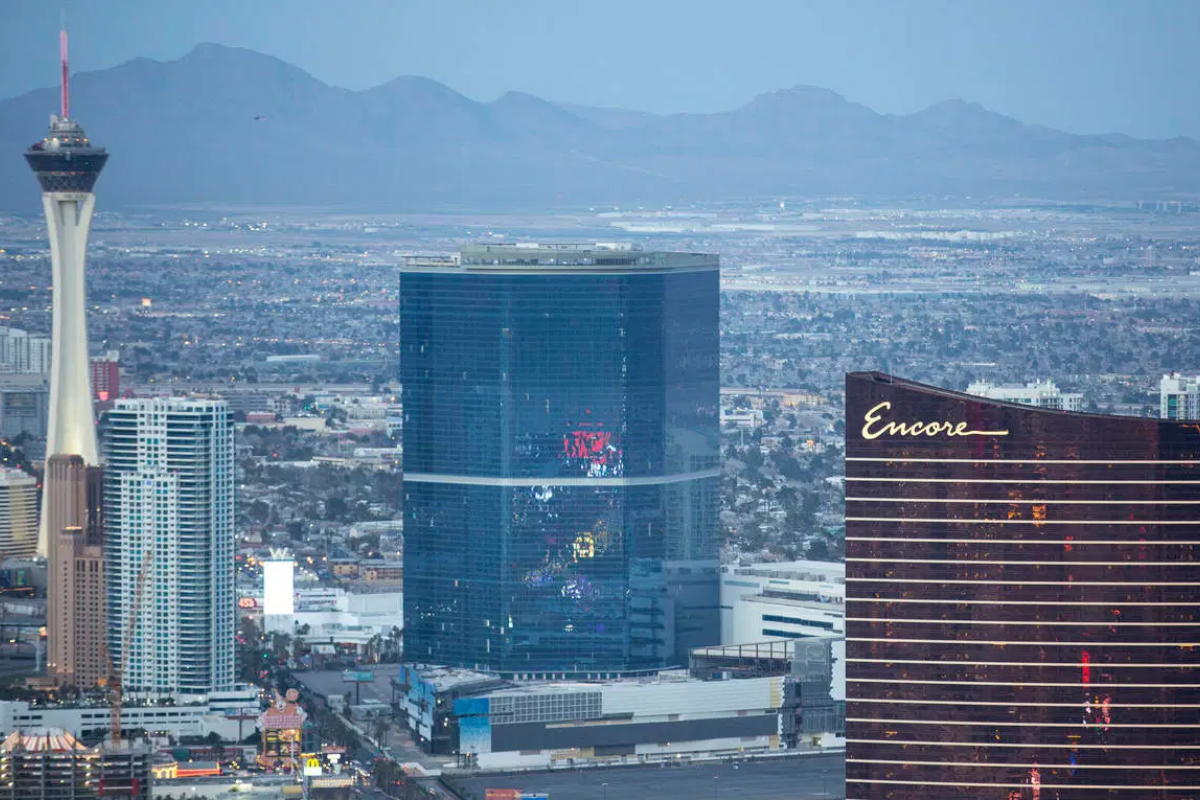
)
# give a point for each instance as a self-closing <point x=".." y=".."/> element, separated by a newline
<point x="1022" y="600"/>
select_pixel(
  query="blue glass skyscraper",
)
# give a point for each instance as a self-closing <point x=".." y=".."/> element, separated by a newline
<point x="561" y="458"/>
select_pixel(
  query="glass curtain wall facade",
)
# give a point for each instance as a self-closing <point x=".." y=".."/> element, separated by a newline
<point x="1022" y="600"/>
<point x="561" y="459"/>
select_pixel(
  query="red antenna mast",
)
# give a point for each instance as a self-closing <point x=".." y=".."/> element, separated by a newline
<point x="66" y="91"/>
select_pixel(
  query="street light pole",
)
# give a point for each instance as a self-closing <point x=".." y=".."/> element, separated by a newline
<point x="605" y="786"/>
<point x="715" y="777"/>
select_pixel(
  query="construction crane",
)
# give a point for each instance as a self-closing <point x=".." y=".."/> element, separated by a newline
<point x="114" y="675"/>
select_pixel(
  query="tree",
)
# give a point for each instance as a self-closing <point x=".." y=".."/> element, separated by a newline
<point x="379" y="729"/>
<point x="335" y="508"/>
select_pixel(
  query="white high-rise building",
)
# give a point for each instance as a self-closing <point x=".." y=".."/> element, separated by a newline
<point x="18" y="514"/>
<point x="24" y="352"/>
<point x="1039" y="394"/>
<point x="1179" y="396"/>
<point x="169" y="514"/>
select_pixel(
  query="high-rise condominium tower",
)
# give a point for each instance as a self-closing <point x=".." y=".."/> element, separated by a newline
<point x="561" y="458"/>
<point x="169" y="516"/>
<point x="1022" y="602"/>
<point x="75" y="618"/>
<point x="67" y="166"/>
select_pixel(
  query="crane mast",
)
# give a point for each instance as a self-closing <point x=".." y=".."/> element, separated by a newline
<point x="115" y="700"/>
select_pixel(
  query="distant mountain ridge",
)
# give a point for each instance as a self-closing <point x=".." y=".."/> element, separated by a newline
<point x="185" y="131"/>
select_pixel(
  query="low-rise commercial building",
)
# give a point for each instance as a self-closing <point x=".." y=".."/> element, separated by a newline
<point x="189" y="716"/>
<point x="326" y="615"/>
<point x="428" y="695"/>
<point x="542" y="725"/>
<point x="734" y="700"/>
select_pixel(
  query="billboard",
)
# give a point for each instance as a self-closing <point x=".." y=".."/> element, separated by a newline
<point x="278" y="591"/>
<point x="357" y="676"/>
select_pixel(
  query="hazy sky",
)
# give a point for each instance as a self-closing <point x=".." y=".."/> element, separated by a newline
<point x="1099" y="66"/>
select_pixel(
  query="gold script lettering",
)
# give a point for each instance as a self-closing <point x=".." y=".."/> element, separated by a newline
<point x="875" y="415"/>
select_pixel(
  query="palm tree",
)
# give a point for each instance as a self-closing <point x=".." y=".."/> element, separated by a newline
<point x="393" y="642"/>
<point x="372" y="654"/>
<point x="379" y="729"/>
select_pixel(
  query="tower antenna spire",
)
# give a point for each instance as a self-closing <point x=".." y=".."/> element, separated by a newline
<point x="66" y="86"/>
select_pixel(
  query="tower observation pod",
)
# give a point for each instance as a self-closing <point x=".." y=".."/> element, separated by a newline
<point x="67" y="165"/>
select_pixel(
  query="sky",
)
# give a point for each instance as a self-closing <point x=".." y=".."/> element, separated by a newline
<point x="1101" y="66"/>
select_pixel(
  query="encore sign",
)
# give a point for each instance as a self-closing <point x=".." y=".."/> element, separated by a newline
<point x="871" y="428"/>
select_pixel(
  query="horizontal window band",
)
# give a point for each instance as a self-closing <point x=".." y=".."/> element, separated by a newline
<point x="981" y="562"/>
<point x="973" y="765"/>
<point x="1037" y="522"/>
<point x="1151" y="543"/>
<point x="977" y="765"/>
<point x="1172" y="645"/>
<point x="1038" y="746"/>
<point x="992" y="501"/>
<point x="1027" y="622"/>
<point x="1028" y="664"/>
<point x="538" y="270"/>
<point x="1111" y="604"/>
<point x="1035" y="461"/>
<point x="1023" y="482"/>
<point x="1002" y="704"/>
<point x="1021" y="684"/>
<point x="1006" y="724"/>
<point x="882" y="781"/>
<point x="475" y="480"/>
<point x="984" y="582"/>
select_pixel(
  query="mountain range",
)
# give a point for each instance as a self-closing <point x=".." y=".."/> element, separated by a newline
<point x="225" y="124"/>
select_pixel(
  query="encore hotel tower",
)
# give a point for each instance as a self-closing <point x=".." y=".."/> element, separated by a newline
<point x="1022" y="600"/>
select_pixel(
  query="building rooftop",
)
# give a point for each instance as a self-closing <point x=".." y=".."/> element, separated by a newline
<point x="41" y="740"/>
<point x="15" y="477"/>
<point x="522" y="257"/>
<point x="446" y="678"/>
<point x="821" y="571"/>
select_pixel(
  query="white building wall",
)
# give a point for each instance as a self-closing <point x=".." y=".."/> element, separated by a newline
<point x="347" y="617"/>
<point x="198" y="719"/>
<point x="762" y="619"/>
<point x="689" y="699"/>
<point x="1039" y="394"/>
<point x="149" y="530"/>
<point x="743" y="605"/>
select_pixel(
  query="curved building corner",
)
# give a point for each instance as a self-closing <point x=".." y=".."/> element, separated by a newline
<point x="1022" y="600"/>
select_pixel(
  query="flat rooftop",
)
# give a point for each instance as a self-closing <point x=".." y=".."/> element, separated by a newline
<point x="446" y="678"/>
<point x="807" y="777"/>
<point x="568" y="258"/>
<point x="821" y="571"/>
